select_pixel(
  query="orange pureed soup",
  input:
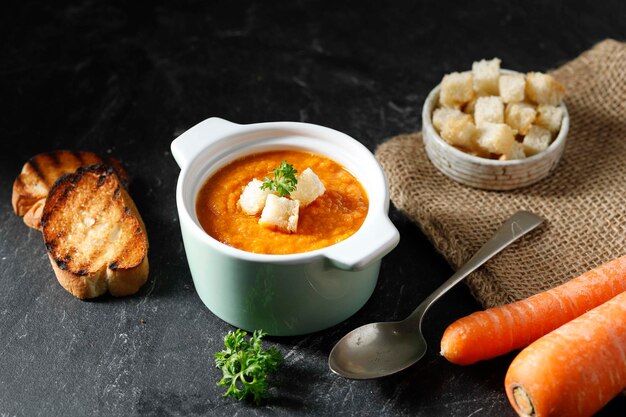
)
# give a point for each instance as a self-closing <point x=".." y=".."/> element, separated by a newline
<point x="331" y="218"/>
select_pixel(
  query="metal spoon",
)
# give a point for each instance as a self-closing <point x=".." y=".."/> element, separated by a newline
<point x="380" y="349"/>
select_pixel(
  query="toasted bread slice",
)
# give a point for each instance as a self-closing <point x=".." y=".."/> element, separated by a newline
<point x="94" y="235"/>
<point x="31" y="187"/>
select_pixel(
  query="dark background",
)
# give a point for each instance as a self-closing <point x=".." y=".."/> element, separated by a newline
<point x="126" y="78"/>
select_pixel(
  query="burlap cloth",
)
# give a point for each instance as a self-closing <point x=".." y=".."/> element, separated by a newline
<point x="583" y="200"/>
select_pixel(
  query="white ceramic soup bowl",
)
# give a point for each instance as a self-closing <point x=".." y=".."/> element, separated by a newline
<point x="281" y="294"/>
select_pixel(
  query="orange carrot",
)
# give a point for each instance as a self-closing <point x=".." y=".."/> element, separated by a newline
<point x="496" y="331"/>
<point x="574" y="370"/>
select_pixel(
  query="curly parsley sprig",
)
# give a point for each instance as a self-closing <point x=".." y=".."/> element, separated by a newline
<point x="284" y="181"/>
<point x="245" y="365"/>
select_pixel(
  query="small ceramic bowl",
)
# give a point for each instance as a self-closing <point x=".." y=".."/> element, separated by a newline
<point x="486" y="173"/>
<point x="281" y="294"/>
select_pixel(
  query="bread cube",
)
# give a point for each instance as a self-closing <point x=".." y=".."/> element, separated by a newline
<point x="442" y="114"/>
<point x="520" y="116"/>
<point x="488" y="110"/>
<point x="549" y="117"/>
<point x="543" y="89"/>
<point x="496" y="138"/>
<point x="486" y="76"/>
<point x="516" y="152"/>
<point x="512" y="87"/>
<point x="456" y="89"/>
<point x="309" y="187"/>
<point x="460" y="131"/>
<point x="538" y="139"/>
<point x="280" y="213"/>
<point x="252" y="199"/>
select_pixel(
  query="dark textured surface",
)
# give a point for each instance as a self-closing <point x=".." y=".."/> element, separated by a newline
<point x="125" y="79"/>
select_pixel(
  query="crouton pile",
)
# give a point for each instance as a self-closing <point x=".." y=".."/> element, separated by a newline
<point x="281" y="213"/>
<point x="499" y="116"/>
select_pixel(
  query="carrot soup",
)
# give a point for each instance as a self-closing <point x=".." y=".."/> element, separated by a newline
<point x="332" y="217"/>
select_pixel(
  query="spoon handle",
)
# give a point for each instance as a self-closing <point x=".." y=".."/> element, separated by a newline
<point x="515" y="227"/>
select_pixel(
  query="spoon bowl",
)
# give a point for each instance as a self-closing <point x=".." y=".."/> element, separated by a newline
<point x="381" y="349"/>
<point x="376" y="350"/>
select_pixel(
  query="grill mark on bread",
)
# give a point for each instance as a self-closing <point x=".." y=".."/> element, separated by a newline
<point x="67" y="191"/>
<point x="35" y="166"/>
<point x="54" y="157"/>
<point x="44" y="221"/>
<point x="101" y="179"/>
<point x="49" y="164"/>
<point x="79" y="157"/>
<point x="51" y="245"/>
<point x="118" y="169"/>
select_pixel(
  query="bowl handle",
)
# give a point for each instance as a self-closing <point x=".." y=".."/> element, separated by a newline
<point x="377" y="239"/>
<point x="188" y="145"/>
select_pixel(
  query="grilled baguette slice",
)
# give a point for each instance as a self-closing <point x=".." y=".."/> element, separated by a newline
<point x="31" y="187"/>
<point x="94" y="235"/>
